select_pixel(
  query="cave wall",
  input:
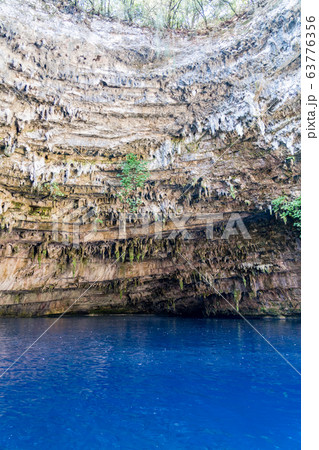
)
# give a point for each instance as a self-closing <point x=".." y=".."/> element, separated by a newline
<point x="217" y="117"/>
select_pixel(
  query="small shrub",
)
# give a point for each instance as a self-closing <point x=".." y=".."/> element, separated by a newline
<point x="288" y="209"/>
<point x="54" y="189"/>
<point x="133" y="177"/>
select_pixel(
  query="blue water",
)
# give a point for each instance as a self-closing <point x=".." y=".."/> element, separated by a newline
<point x="149" y="382"/>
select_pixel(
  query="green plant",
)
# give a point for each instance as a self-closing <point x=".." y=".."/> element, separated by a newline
<point x="73" y="266"/>
<point x="244" y="281"/>
<point x="55" y="191"/>
<point x="232" y="191"/>
<point x="133" y="177"/>
<point x="288" y="209"/>
<point x="131" y="254"/>
<point x="51" y="189"/>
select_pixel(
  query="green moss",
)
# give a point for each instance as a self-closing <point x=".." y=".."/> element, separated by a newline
<point x="237" y="298"/>
<point x="117" y="251"/>
<point x="192" y="147"/>
<point x="272" y="311"/>
<point x="131" y="254"/>
<point x="17" y="205"/>
<point x="40" y="211"/>
<point x="177" y="140"/>
<point x="17" y="298"/>
<point x="73" y="266"/>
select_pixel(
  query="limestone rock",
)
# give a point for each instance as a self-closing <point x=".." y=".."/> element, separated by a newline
<point x="217" y="117"/>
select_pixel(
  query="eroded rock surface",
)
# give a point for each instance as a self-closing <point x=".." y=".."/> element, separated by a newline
<point x="217" y="117"/>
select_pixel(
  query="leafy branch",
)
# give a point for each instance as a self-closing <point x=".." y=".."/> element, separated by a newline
<point x="285" y="208"/>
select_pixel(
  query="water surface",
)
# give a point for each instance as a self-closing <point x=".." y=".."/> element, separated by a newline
<point x="138" y="382"/>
